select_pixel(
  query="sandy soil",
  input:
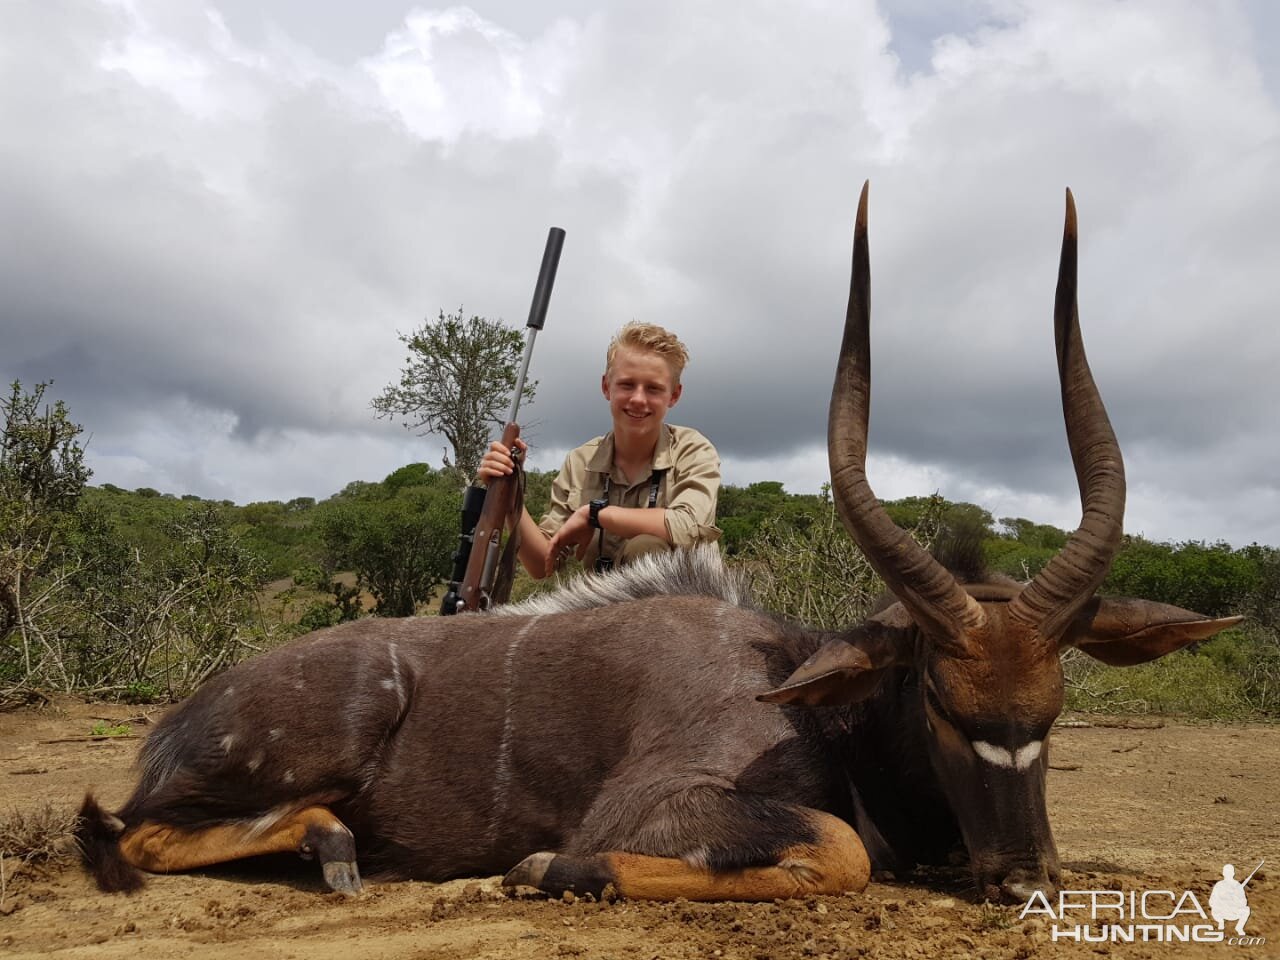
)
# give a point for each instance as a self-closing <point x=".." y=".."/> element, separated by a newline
<point x="1134" y="807"/>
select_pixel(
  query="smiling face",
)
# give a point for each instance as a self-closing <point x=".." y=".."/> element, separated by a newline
<point x="640" y="387"/>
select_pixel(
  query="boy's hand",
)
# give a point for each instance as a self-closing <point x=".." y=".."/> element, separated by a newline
<point x="497" y="460"/>
<point x="575" y="534"/>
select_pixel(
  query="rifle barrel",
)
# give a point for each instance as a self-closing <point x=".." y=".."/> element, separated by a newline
<point x="1255" y="870"/>
<point x="530" y="335"/>
<point x="538" y="310"/>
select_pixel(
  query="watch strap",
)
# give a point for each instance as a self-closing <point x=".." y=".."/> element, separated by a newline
<point x="593" y="512"/>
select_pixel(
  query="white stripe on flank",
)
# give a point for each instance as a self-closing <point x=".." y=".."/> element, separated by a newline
<point x="502" y="769"/>
<point x="1009" y="759"/>
<point x="397" y="683"/>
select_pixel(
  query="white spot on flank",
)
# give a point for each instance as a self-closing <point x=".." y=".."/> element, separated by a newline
<point x="227" y="741"/>
<point x="229" y="691"/>
<point x="256" y="761"/>
<point x="276" y="733"/>
<point x="288" y="776"/>
<point x="1020" y="759"/>
<point x="696" y="858"/>
<point x="502" y="769"/>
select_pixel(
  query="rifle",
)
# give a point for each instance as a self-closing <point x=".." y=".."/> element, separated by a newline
<point x="485" y="511"/>
<point x="1250" y="876"/>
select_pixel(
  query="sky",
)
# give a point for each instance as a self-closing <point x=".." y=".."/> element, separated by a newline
<point x="219" y="216"/>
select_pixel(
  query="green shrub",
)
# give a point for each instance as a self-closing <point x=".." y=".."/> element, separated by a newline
<point x="1234" y="676"/>
<point x="104" y="728"/>
<point x="1211" y="579"/>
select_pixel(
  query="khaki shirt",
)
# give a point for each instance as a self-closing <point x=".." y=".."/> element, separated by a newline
<point x="688" y="489"/>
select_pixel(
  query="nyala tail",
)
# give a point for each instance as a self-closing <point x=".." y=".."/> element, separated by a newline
<point x="98" y="835"/>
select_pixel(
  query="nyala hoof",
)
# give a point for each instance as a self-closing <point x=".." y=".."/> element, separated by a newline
<point x="342" y="877"/>
<point x="529" y="871"/>
<point x="554" y="873"/>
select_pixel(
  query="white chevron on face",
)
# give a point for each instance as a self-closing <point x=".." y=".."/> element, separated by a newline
<point x="1019" y="759"/>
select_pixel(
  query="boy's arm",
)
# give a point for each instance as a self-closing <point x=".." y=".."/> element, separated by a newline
<point x="628" y="522"/>
<point x="690" y="515"/>
<point x="535" y="547"/>
<point x="558" y="528"/>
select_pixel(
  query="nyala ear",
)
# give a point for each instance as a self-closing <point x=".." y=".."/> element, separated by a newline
<point x="1121" y="631"/>
<point x="847" y="670"/>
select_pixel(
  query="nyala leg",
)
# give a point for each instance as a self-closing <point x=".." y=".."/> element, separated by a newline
<point x="313" y="832"/>
<point x="836" y="862"/>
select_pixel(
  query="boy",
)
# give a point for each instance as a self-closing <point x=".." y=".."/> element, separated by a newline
<point x="644" y="486"/>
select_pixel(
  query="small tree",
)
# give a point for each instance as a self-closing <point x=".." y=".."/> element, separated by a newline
<point x="42" y="475"/>
<point x="457" y="381"/>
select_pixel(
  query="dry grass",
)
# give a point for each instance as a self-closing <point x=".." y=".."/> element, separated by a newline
<point x="38" y="833"/>
<point x="815" y="573"/>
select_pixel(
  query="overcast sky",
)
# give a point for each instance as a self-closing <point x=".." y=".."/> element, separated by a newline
<point x="217" y="216"/>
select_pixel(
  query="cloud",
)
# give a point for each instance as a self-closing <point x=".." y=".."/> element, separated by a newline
<point x="227" y="211"/>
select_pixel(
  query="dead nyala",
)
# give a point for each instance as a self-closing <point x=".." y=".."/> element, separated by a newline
<point x="652" y="730"/>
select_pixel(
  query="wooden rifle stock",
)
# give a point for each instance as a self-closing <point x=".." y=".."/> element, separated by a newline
<point x="499" y="504"/>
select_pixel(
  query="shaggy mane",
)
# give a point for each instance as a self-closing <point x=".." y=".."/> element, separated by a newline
<point x="698" y="572"/>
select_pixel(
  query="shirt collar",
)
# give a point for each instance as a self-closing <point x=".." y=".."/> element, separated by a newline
<point x="662" y="455"/>
<point x="602" y="460"/>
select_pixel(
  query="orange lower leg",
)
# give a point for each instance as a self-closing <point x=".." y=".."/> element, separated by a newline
<point x="159" y="848"/>
<point x="835" y="864"/>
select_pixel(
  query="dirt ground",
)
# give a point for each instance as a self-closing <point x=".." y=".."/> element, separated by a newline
<point x="1135" y="806"/>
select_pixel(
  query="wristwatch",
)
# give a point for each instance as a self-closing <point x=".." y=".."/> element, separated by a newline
<point x="593" y="513"/>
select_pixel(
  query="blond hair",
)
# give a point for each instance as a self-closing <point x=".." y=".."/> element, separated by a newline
<point x="653" y="339"/>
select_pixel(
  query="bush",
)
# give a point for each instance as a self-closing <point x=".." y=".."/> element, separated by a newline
<point x="1234" y="676"/>
<point x="813" y="572"/>
<point x="102" y="616"/>
<point x="1211" y="579"/>
<point x="159" y="624"/>
<point x="399" y="544"/>
<point x="1182" y="683"/>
